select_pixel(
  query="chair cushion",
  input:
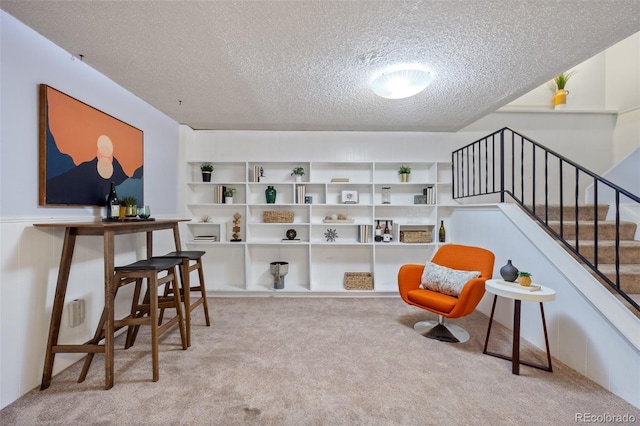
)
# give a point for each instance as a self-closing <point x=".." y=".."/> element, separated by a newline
<point x="445" y="280"/>
<point x="433" y="301"/>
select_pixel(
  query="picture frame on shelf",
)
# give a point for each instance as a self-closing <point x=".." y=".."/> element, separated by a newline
<point x="348" y="196"/>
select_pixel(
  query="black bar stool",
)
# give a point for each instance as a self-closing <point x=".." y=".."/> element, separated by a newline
<point x="147" y="311"/>
<point x="191" y="261"/>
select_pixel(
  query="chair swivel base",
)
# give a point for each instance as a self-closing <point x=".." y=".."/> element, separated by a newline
<point x="443" y="332"/>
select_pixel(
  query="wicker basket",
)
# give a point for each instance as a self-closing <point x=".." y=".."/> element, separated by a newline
<point x="358" y="280"/>
<point x="278" y="217"/>
<point x="415" y="236"/>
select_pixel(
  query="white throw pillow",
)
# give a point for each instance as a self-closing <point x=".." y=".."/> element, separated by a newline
<point x="445" y="280"/>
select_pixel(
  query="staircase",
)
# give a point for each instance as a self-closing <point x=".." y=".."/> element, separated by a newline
<point x="629" y="248"/>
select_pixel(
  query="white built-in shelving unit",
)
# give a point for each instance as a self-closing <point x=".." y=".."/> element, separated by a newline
<point x="316" y="265"/>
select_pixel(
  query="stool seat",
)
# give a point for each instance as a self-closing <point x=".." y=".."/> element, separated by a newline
<point x="152" y="264"/>
<point x="189" y="254"/>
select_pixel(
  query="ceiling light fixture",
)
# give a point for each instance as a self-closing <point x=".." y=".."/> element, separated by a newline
<point x="401" y="81"/>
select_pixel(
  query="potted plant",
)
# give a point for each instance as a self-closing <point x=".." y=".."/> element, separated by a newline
<point x="297" y="172"/>
<point x="524" y="279"/>
<point x="128" y="204"/>
<point x="558" y="85"/>
<point x="404" y="172"/>
<point x="228" y="195"/>
<point x="206" y="169"/>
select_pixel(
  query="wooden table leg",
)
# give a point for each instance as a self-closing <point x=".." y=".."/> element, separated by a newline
<point x="58" y="304"/>
<point x="108" y="307"/>
<point x="176" y="237"/>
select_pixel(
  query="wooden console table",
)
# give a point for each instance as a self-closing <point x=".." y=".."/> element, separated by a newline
<point x="108" y="230"/>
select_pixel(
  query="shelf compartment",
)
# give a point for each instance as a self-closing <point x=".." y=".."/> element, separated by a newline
<point x="223" y="172"/>
<point x="387" y="173"/>
<point x="361" y="214"/>
<point x="401" y="193"/>
<point x="329" y="264"/>
<point x="417" y="214"/>
<point x="259" y="261"/>
<point x="275" y="233"/>
<point x="334" y="193"/>
<point x="300" y="212"/>
<point x="223" y="266"/>
<point x="285" y="193"/>
<point x="355" y="172"/>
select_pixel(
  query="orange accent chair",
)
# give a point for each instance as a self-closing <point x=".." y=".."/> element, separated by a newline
<point x="454" y="256"/>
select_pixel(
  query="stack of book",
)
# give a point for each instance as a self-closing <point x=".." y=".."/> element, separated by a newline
<point x="339" y="179"/>
<point x="218" y="194"/>
<point x="205" y="238"/>
<point x="430" y="193"/>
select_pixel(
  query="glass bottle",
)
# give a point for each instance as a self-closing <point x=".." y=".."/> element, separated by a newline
<point x="386" y="235"/>
<point x="378" y="236"/>
<point x="442" y="233"/>
<point x="113" y="204"/>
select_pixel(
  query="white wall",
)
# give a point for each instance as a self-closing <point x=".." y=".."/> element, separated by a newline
<point x="29" y="257"/>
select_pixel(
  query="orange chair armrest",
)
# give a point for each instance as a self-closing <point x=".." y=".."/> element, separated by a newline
<point x="469" y="298"/>
<point x="409" y="277"/>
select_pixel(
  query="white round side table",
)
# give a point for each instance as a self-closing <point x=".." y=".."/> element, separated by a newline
<point x="518" y="294"/>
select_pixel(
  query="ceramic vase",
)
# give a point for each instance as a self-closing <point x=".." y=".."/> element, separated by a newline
<point x="509" y="272"/>
<point x="560" y="99"/>
<point x="270" y="194"/>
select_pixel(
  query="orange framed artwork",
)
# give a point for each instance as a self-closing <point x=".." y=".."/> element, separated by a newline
<point x="82" y="150"/>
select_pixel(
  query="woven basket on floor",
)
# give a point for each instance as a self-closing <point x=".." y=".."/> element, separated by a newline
<point x="277" y="217"/>
<point x="358" y="280"/>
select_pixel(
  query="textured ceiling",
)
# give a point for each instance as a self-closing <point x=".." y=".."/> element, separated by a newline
<point x="306" y="65"/>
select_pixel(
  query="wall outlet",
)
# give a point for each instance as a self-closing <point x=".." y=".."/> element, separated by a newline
<point x="76" y="312"/>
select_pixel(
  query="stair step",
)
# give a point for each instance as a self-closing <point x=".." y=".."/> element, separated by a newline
<point x="606" y="230"/>
<point x="629" y="251"/>
<point x="629" y="276"/>
<point x="585" y="212"/>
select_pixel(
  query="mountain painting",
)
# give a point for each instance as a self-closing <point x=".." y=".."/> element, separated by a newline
<point x="82" y="150"/>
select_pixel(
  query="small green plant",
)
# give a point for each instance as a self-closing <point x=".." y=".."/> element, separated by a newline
<point x="228" y="192"/>
<point x="524" y="274"/>
<point x="206" y="167"/>
<point x="205" y="218"/>
<point x="128" y="201"/>
<point x="404" y="170"/>
<point x="297" y="171"/>
<point x="560" y="81"/>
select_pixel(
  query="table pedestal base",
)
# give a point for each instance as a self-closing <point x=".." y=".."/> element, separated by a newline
<point x="515" y="355"/>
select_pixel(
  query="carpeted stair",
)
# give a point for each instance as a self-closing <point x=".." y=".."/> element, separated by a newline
<point x="629" y="249"/>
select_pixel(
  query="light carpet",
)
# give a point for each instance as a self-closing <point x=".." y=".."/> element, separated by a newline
<point x="317" y="361"/>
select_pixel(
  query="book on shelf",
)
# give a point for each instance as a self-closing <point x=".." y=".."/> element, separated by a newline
<point x="339" y="179"/>
<point x="205" y="238"/>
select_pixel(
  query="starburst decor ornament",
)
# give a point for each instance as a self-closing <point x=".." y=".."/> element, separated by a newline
<point x="331" y="235"/>
<point x="401" y="81"/>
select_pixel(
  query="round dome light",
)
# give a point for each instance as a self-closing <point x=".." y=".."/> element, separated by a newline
<point x="398" y="83"/>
